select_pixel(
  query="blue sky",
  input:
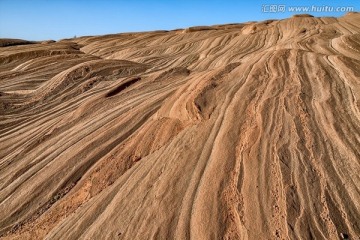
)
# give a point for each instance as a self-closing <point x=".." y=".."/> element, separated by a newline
<point x="57" y="19"/>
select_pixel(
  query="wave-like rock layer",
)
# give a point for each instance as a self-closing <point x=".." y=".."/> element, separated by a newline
<point x="238" y="131"/>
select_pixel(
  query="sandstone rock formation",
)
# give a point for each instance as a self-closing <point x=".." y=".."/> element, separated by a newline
<point x="238" y="131"/>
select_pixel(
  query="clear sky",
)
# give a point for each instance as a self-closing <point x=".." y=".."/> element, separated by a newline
<point x="57" y="19"/>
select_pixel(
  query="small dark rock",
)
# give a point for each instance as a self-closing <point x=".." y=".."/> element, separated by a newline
<point x="344" y="236"/>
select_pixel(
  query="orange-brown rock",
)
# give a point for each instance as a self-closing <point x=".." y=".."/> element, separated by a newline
<point x="238" y="131"/>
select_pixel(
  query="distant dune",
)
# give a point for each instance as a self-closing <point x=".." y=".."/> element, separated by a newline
<point x="237" y="131"/>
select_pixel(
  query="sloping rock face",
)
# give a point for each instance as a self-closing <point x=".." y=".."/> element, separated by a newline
<point x="239" y="131"/>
